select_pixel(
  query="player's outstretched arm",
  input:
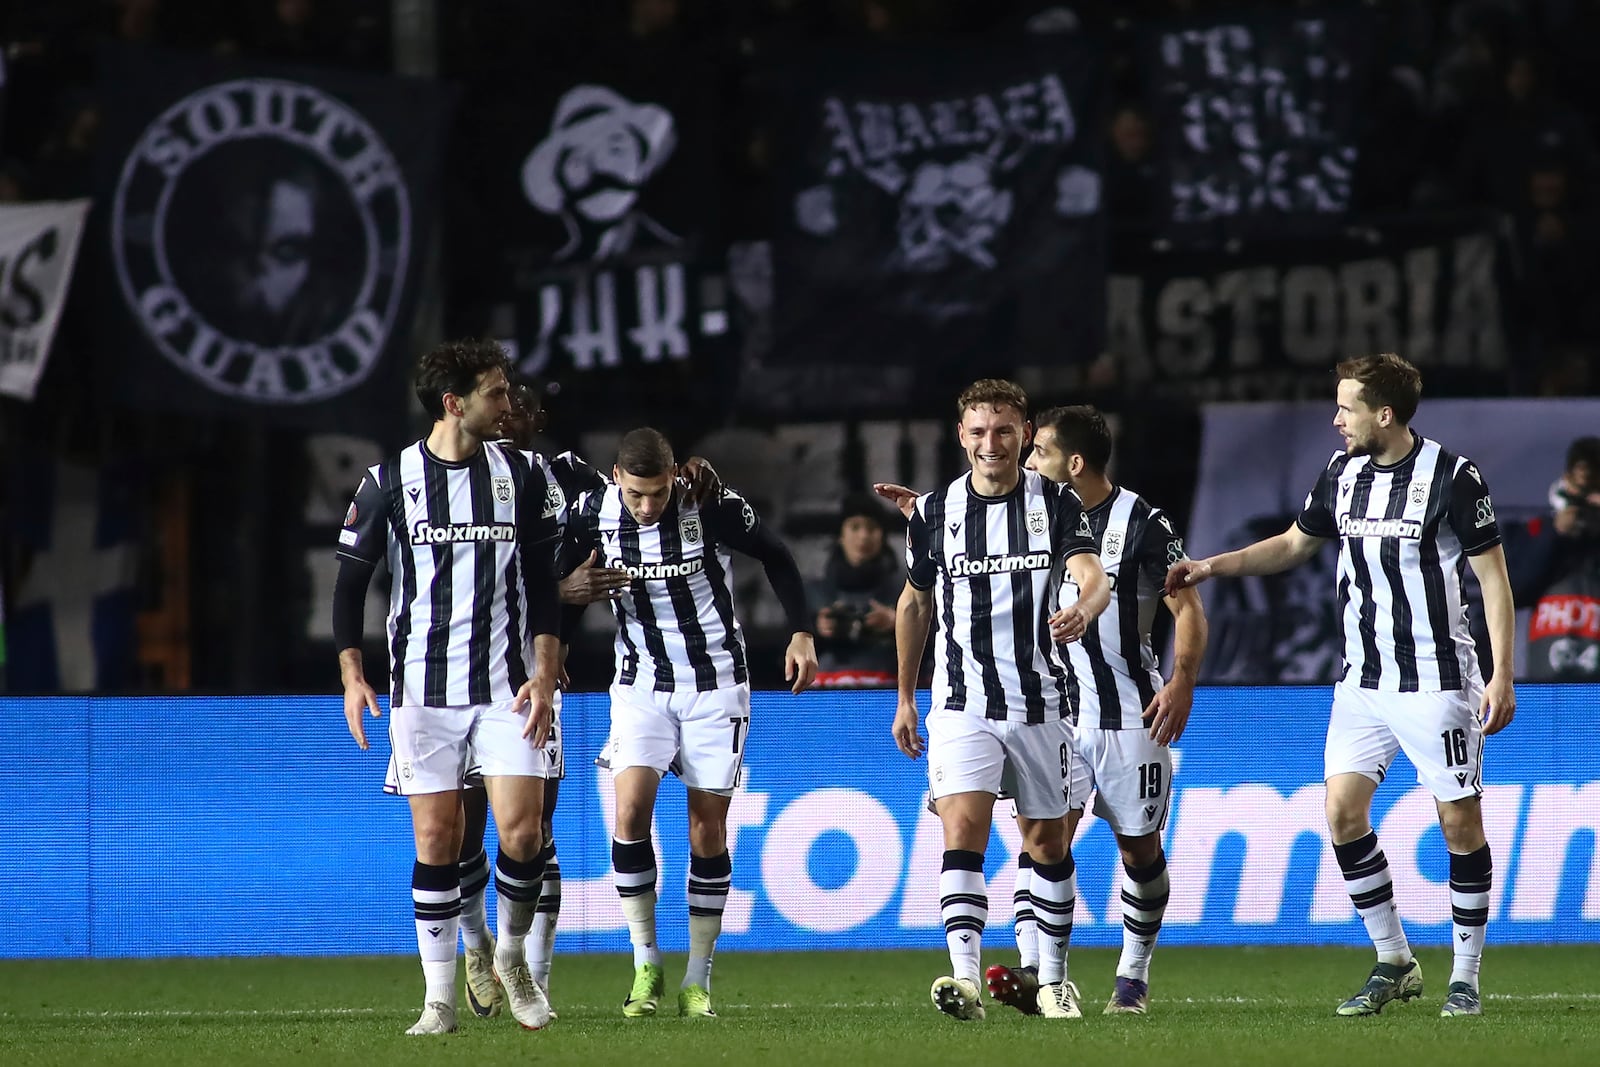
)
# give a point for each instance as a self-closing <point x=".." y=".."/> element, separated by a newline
<point x="911" y="619"/>
<point x="898" y="495"/>
<point x="1499" y="704"/>
<point x="1168" y="713"/>
<point x="1269" y="556"/>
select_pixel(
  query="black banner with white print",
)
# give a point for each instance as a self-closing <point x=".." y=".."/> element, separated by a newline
<point x="941" y="210"/>
<point x="1268" y="320"/>
<point x="265" y="228"/>
<point x="1255" y="118"/>
<point x="602" y="192"/>
<point x="38" y="247"/>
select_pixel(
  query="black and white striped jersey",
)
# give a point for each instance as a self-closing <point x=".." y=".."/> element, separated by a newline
<point x="1405" y="533"/>
<point x="451" y="532"/>
<point x="1114" y="663"/>
<point x="994" y="564"/>
<point x="676" y="628"/>
<point x="572" y="477"/>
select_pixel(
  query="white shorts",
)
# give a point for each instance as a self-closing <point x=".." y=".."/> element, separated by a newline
<point x="554" y="746"/>
<point x="700" y="737"/>
<point x="968" y="753"/>
<point x="431" y="749"/>
<point x="1131" y="777"/>
<point x="1439" y="732"/>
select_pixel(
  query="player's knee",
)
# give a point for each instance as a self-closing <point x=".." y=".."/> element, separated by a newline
<point x="1461" y="821"/>
<point x="1139" y="852"/>
<point x="522" y="842"/>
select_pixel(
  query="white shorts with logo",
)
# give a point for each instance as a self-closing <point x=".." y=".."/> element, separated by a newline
<point x="700" y="737"/>
<point x="1131" y="777"/>
<point x="434" y="749"/>
<point x="968" y="753"/>
<point x="1440" y="733"/>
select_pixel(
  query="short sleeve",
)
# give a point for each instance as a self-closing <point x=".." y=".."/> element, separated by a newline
<point x="364" y="536"/>
<point x="1471" y="513"/>
<point x="921" y="568"/>
<point x="1316" y="517"/>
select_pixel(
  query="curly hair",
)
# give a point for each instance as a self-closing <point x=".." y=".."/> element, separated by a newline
<point x="455" y="367"/>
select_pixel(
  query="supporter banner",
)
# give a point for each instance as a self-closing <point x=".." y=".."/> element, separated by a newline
<point x="939" y="212"/>
<point x="38" y="246"/>
<point x="1258" y="462"/>
<point x="1268" y="321"/>
<point x="831" y="845"/>
<point x="1256" y="119"/>
<point x="604" y="191"/>
<point x="266" y="232"/>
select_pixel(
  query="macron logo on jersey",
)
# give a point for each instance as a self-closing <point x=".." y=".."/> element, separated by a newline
<point x="425" y="533"/>
<point x="966" y="567"/>
<point x="1350" y="526"/>
<point x="658" y="571"/>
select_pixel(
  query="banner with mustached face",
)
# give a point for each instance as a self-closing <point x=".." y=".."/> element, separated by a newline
<point x="941" y="210"/>
<point x="265" y="229"/>
<point x="601" y="193"/>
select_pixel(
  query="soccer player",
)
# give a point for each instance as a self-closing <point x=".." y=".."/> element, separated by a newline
<point x="986" y="552"/>
<point x="681" y="695"/>
<point x="1410" y="517"/>
<point x="468" y="531"/>
<point x="585" y="585"/>
<point x="1126" y="716"/>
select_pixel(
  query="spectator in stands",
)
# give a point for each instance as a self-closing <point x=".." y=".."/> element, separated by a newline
<point x="1555" y="569"/>
<point x="855" y="601"/>
<point x="1130" y="172"/>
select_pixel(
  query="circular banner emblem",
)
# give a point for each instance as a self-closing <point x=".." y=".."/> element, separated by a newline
<point x="261" y="231"/>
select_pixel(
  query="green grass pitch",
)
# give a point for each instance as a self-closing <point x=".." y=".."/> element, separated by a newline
<point x="1209" y="1006"/>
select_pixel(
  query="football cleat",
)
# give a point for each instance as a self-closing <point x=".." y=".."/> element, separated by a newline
<point x="1463" y="1000"/>
<point x="958" y="998"/>
<point x="484" y="994"/>
<point x="694" y="1002"/>
<point x="1017" y="987"/>
<point x="437" y="1018"/>
<point x="1387" y="983"/>
<point x="523" y="996"/>
<point x="1130" y="997"/>
<point x="1059" y="1000"/>
<point x="649" y="983"/>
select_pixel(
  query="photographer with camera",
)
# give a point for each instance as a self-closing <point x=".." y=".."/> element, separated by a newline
<point x="855" y="601"/>
<point x="1555" y="570"/>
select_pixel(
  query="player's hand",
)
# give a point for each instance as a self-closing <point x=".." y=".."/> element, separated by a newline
<point x="880" y="618"/>
<point x="1168" y="713"/>
<point x="898" y="495"/>
<point x="359" y="697"/>
<point x="538" y="697"/>
<point x="1498" y="706"/>
<point x="1068" y="625"/>
<point x="800" y="662"/>
<point x="905" y="730"/>
<point x="591" y="582"/>
<point x="699" y="480"/>
<point x="1186" y="572"/>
